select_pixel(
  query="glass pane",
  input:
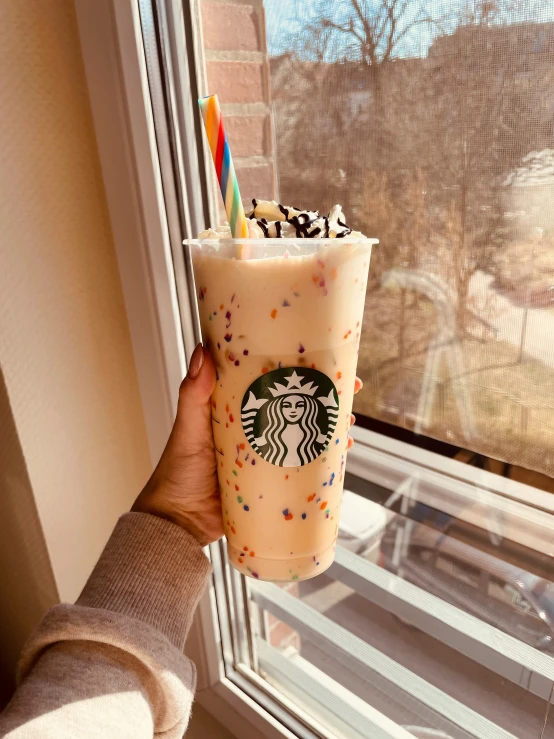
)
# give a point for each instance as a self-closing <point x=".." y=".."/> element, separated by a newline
<point x="549" y="724"/>
<point x="433" y="125"/>
<point x="434" y="553"/>
<point x="488" y="586"/>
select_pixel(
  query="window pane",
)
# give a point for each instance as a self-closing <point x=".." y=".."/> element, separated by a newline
<point x="485" y="586"/>
<point x="432" y="125"/>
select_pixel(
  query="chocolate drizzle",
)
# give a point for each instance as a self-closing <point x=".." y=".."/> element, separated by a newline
<point x="263" y="225"/>
<point x="284" y="222"/>
<point x="303" y="223"/>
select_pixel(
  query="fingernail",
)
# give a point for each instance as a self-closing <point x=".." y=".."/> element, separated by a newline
<point x="196" y="362"/>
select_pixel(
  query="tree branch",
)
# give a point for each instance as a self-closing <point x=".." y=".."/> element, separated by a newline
<point x="377" y="30"/>
<point x="390" y="40"/>
<point x="328" y="23"/>
<point x="409" y="26"/>
<point x="369" y="31"/>
<point x="360" y="14"/>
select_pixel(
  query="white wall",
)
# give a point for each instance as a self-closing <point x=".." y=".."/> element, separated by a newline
<point x="73" y="447"/>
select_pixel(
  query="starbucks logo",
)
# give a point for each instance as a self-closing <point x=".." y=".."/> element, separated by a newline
<point x="289" y="415"/>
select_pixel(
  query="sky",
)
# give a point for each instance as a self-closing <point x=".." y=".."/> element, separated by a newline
<point x="286" y="19"/>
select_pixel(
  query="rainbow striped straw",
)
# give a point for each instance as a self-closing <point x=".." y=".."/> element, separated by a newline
<point x="213" y="122"/>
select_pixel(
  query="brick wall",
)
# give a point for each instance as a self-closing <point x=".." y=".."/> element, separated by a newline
<point x="279" y="634"/>
<point x="238" y="71"/>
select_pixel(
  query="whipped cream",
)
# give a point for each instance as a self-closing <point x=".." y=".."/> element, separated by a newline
<point x="271" y="220"/>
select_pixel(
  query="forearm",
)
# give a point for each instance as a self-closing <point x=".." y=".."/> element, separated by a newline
<point x="81" y="689"/>
<point x="113" y="664"/>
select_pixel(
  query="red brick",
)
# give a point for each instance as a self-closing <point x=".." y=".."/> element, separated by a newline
<point x="295" y="642"/>
<point x="280" y="633"/>
<point x="292" y="588"/>
<point x="256" y="182"/>
<point x="248" y="135"/>
<point x="231" y="27"/>
<point x="271" y="620"/>
<point x="237" y="82"/>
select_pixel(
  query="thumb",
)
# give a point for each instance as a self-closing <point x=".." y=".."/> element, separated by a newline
<point x="193" y="409"/>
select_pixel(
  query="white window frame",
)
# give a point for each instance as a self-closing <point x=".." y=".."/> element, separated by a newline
<point x="115" y="69"/>
<point x="163" y="335"/>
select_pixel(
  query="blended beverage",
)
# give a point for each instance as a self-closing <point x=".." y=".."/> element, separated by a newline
<point x="282" y="319"/>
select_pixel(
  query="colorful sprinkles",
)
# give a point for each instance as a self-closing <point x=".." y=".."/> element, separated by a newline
<point x="222" y="325"/>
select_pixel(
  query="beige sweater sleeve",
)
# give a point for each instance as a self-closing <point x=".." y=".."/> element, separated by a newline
<point x="112" y="665"/>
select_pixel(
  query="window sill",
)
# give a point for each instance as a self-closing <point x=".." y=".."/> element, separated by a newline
<point x="497" y="504"/>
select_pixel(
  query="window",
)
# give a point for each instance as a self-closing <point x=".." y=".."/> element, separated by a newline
<point x="459" y="570"/>
<point x="514" y="609"/>
<point x="436" y="618"/>
<point x="448" y="166"/>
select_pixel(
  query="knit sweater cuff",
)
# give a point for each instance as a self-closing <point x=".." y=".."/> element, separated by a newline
<point x="151" y="570"/>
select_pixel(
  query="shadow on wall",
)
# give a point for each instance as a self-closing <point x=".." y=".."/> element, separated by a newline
<point x="27" y="585"/>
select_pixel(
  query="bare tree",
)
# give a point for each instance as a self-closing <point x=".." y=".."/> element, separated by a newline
<point x="370" y="33"/>
<point x="417" y="130"/>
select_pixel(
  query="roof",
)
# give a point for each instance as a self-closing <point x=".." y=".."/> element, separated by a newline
<point x="537" y="168"/>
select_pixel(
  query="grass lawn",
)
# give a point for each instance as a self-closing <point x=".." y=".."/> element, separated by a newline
<point x="508" y="401"/>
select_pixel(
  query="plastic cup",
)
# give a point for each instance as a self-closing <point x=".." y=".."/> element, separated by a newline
<point x="282" y="319"/>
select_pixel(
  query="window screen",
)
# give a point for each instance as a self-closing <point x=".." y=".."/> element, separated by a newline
<point x="432" y="123"/>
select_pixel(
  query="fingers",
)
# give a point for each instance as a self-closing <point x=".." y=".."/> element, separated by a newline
<point x="200" y="381"/>
<point x="358" y="385"/>
<point x="193" y="410"/>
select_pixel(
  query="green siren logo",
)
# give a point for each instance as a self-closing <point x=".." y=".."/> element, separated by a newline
<point x="289" y="415"/>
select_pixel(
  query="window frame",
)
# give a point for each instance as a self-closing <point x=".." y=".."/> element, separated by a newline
<point x="164" y="331"/>
<point x="129" y="151"/>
